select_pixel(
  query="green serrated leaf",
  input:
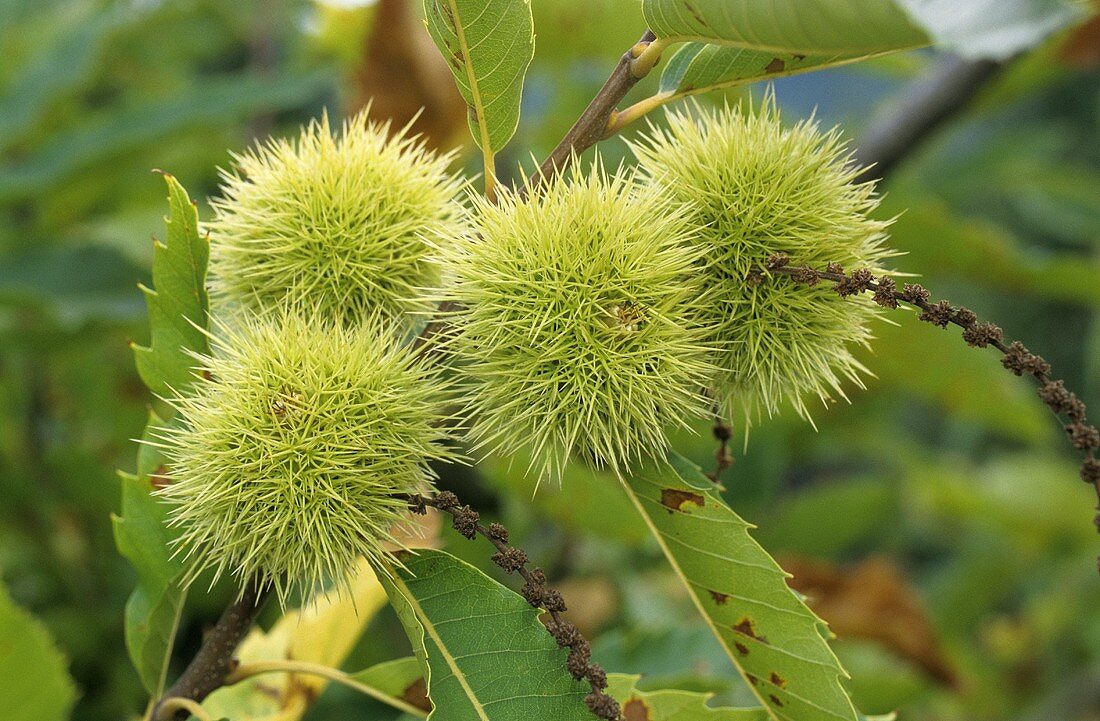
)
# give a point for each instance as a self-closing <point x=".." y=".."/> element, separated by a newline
<point x="178" y="301"/>
<point x="485" y="655"/>
<point x="672" y="705"/>
<point x="36" y="685"/>
<point x="488" y="44"/>
<point x="773" y="639"/>
<point x="143" y="537"/>
<point x="806" y="27"/>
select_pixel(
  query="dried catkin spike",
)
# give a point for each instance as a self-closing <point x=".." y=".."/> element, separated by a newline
<point x="294" y="453"/>
<point x="758" y="192"/>
<point x="334" y="222"/>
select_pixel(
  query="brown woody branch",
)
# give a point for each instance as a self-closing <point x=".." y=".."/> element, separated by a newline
<point x="923" y="107"/>
<point x="208" y="669"/>
<point x="594" y="123"/>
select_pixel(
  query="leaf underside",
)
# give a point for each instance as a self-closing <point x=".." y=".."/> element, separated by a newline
<point x="809" y="27"/>
<point x="773" y="639"/>
<point x="488" y="44"/>
<point x="698" y="67"/>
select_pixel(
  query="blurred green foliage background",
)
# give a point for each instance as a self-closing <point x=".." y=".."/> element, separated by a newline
<point x="936" y="521"/>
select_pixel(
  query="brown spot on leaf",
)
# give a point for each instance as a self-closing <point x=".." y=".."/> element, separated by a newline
<point x="745" y="627"/>
<point x="446" y="11"/>
<point x="636" y="710"/>
<point x="775" y="700"/>
<point x="873" y="600"/>
<point x="752" y="679"/>
<point x="778" y="680"/>
<point x="775" y="66"/>
<point x="674" y="499"/>
<point x="741" y="648"/>
<point x="416" y="694"/>
<point x="719" y="598"/>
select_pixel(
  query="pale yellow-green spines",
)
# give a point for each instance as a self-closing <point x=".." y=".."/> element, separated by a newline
<point x="335" y="222"/>
<point x="290" y="457"/>
<point x="585" y="319"/>
<point x="754" y="188"/>
<point x="579" y="323"/>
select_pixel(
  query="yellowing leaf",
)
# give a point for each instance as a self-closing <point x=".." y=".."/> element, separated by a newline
<point x="323" y="632"/>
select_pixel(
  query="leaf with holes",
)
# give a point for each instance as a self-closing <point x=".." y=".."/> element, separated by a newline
<point x="776" y="643"/>
<point x="36" y="685"/>
<point x="850" y="28"/>
<point x="177" y="302"/>
<point x="488" y="44"/>
<point x="485" y="655"/>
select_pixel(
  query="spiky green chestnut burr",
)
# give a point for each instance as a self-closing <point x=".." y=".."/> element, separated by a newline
<point x="578" y="324"/>
<point x="757" y="188"/>
<point x="291" y="454"/>
<point x="335" y="223"/>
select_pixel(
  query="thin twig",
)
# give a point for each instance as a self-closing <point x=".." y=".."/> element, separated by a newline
<point x="208" y="669"/>
<point x="595" y="122"/>
<point x="536" y="592"/>
<point x="436" y="326"/>
<point x="723" y="459"/>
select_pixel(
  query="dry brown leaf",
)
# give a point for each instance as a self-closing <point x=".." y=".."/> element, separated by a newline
<point x="872" y="600"/>
<point x="402" y="71"/>
<point x="1082" y="48"/>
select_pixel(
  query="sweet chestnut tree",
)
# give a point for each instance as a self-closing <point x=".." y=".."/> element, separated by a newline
<point x="356" y="314"/>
